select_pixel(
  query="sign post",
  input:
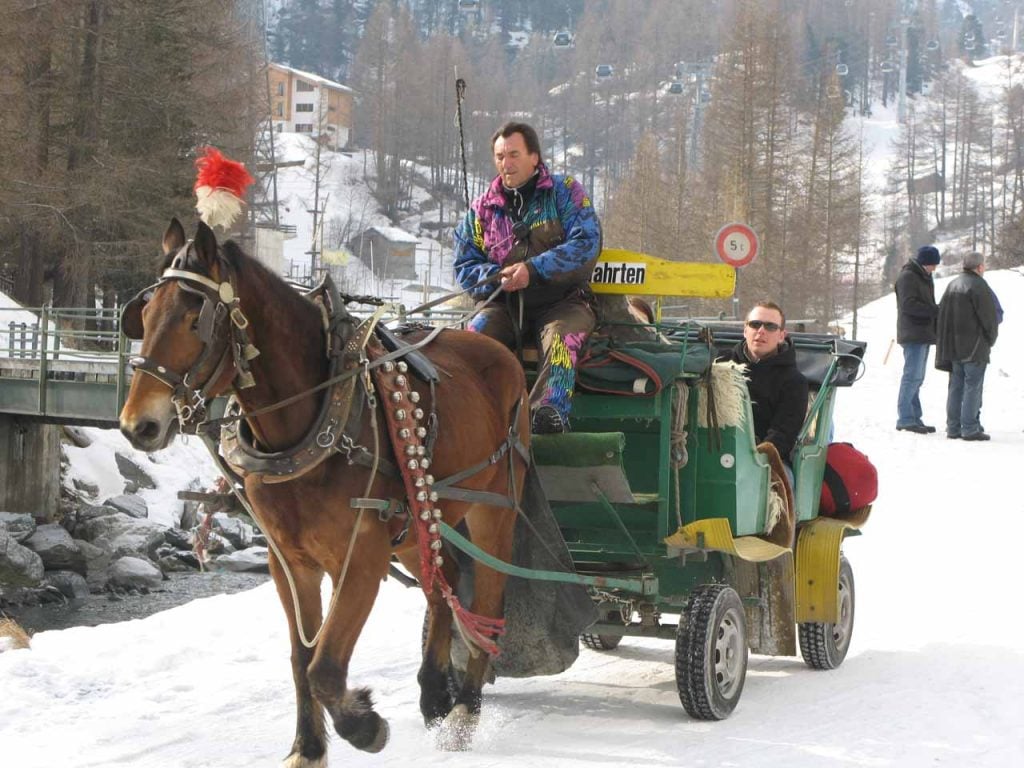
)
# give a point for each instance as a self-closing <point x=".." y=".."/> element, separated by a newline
<point x="736" y="245"/>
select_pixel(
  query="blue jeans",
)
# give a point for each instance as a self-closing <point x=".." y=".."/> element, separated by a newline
<point x="963" y="399"/>
<point x="908" y="405"/>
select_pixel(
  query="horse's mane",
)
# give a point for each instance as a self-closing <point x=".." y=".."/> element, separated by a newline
<point x="281" y="297"/>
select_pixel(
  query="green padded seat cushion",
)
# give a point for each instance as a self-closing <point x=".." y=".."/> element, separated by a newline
<point x="639" y="367"/>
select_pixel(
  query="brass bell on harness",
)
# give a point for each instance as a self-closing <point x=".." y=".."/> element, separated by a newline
<point x="404" y="433"/>
<point x="396" y="397"/>
<point x="250" y="352"/>
<point x="402" y="366"/>
<point x="400" y="414"/>
<point x="425" y="515"/>
<point x="429" y="479"/>
<point x="388" y="367"/>
<point x="438" y="561"/>
<point x="436" y="544"/>
<point x="419" y="482"/>
<point x="417" y="414"/>
<point x="401" y="381"/>
<point x="244" y="380"/>
<point x="414" y="397"/>
<point x="410" y="450"/>
<point x="421" y="432"/>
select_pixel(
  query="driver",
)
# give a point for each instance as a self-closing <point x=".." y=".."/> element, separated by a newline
<point x="540" y="233"/>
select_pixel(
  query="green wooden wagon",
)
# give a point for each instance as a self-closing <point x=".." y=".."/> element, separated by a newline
<point x="665" y="506"/>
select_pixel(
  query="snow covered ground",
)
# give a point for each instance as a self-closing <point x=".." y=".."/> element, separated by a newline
<point x="934" y="675"/>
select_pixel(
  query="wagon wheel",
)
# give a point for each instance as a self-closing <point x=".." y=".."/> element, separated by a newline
<point x="824" y="645"/>
<point x="711" y="652"/>
<point x="601" y="642"/>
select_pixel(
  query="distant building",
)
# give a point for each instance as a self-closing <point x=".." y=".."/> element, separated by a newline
<point x="388" y="251"/>
<point x="300" y="100"/>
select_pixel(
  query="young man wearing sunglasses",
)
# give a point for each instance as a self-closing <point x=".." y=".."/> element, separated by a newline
<point x="778" y="391"/>
<point x="537" y="235"/>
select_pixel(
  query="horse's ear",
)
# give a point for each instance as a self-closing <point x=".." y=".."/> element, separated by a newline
<point x="174" y="237"/>
<point x="206" y="245"/>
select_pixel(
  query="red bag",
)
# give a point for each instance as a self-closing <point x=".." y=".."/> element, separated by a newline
<point x="851" y="481"/>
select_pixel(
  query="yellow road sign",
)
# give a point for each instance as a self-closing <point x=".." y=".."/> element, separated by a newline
<point x="626" y="272"/>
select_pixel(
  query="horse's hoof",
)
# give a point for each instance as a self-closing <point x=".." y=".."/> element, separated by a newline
<point x="456" y="732"/>
<point x="381" y="739"/>
<point x="295" y="760"/>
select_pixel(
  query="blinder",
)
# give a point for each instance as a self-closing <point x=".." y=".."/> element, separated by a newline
<point x="131" y="313"/>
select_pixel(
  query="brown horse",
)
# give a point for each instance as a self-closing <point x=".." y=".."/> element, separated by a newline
<point x="211" y="300"/>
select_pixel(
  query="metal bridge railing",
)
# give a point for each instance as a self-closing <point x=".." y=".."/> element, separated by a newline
<point x="48" y="343"/>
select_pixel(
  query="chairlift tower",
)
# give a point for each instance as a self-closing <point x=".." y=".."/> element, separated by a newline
<point x="901" y="98"/>
<point x="263" y="202"/>
<point x="700" y="71"/>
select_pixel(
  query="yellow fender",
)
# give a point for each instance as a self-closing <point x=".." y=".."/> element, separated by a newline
<point x="716" y="533"/>
<point x="818" y="548"/>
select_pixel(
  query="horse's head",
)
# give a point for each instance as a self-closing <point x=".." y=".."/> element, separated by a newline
<point x="193" y="340"/>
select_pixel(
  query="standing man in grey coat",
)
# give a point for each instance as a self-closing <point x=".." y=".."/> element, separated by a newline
<point x="967" y="331"/>
<point x="915" y="332"/>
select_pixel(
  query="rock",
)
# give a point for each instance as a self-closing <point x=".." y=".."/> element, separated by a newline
<point x="89" y="511"/>
<point x="176" y="560"/>
<point x="178" y="538"/>
<point x="252" y="560"/>
<point x="19" y="524"/>
<point x="57" y="549"/>
<point x="217" y="544"/>
<point x="85" y="487"/>
<point x="77" y="437"/>
<point x="132" y="472"/>
<point x="190" y="515"/>
<point x="70" y="584"/>
<point x="120" y="535"/>
<point x="19" y="566"/>
<point x="97" y="561"/>
<point x="234" y="530"/>
<point x="129" y="505"/>
<point x="135" y="573"/>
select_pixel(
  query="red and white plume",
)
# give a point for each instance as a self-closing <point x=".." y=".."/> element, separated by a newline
<point x="220" y="187"/>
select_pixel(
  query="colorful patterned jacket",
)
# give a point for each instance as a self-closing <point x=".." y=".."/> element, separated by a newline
<point x="562" y="248"/>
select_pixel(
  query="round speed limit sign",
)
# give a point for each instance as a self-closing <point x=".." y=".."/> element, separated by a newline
<point x="736" y="245"/>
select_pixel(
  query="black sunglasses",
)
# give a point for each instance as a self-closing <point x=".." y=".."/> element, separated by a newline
<point x="757" y="324"/>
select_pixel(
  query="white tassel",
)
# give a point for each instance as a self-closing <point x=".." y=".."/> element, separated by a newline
<point x="217" y="207"/>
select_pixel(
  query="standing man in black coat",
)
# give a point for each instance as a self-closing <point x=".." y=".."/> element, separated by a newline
<point x="968" y="327"/>
<point x="915" y="331"/>
<point x="778" y="391"/>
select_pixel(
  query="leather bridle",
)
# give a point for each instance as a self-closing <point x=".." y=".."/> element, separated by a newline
<point x="222" y="329"/>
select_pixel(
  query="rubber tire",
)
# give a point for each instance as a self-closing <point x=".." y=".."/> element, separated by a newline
<point x="714" y="615"/>
<point x="601" y="642"/>
<point x="824" y="645"/>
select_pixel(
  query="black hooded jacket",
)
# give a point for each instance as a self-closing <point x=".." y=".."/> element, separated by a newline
<point x="778" y="394"/>
<point x="916" y="310"/>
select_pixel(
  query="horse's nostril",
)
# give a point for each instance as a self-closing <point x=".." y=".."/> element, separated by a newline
<point x="147" y="430"/>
